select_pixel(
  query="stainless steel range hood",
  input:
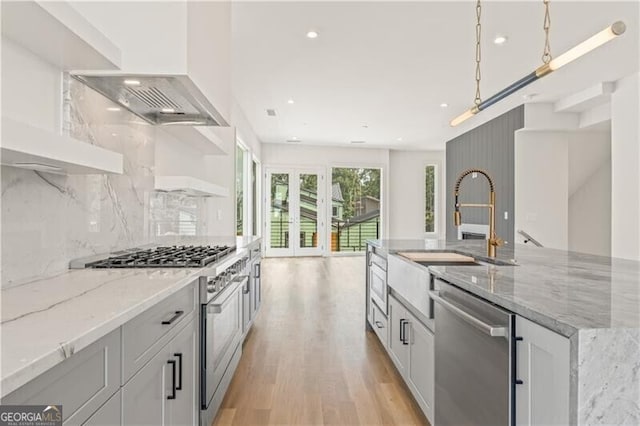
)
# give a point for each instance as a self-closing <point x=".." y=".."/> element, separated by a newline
<point x="158" y="99"/>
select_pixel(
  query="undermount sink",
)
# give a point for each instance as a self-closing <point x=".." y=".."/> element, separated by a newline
<point x="449" y="258"/>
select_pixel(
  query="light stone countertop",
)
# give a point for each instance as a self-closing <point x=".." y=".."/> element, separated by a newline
<point x="46" y="320"/>
<point x="563" y="291"/>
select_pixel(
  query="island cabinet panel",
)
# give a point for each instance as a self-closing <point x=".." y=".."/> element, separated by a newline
<point x="421" y="366"/>
<point x="398" y="345"/>
<point x="543" y="368"/>
<point x="109" y="414"/>
<point x="81" y="383"/>
<point x="163" y="391"/>
<point x="411" y="348"/>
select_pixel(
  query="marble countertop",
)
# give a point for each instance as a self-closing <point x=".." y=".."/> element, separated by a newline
<point x="564" y="291"/>
<point x="45" y="320"/>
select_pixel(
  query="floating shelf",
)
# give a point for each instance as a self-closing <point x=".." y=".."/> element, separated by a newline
<point x="190" y="186"/>
<point x="58" y="33"/>
<point x="202" y="138"/>
<point x="29" y="147"/>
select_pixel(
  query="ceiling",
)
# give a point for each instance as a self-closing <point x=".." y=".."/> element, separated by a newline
<point x="389" y="65"/>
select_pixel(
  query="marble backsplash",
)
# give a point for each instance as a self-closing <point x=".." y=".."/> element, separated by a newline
<point x="49" y="219"/>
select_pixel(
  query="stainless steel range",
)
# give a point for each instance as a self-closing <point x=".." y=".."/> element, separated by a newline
<point x="229" y="294"/>
<point x="221" y="331"/>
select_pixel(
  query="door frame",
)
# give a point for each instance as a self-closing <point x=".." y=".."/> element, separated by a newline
<point x="294" y="248"/>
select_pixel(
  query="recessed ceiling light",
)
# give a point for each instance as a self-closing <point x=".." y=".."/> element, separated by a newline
<point x="293" y="140"/>
<point x="444" y="105"/>
<point x="113" y="109"/>
<point x="132" y="82"/>
<point x="357" y="142"/>
<point x="114" y="134"/>
<point x="168" y="110"/>
<point x="290" y="101"/>
<point x="312" y="34"/>
<point x="399" y="139"/>
<point x="529" y="96"/>
<point x="500" y="40"/>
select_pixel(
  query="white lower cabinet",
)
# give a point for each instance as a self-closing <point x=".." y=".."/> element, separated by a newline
<point x="162" y="392"/>
<point x="543" y="368"/>
<point x="108" y="414"/>
<point x="411" y="347"/>
<point x="421" y="367"/>
<point x="398" y="347"/>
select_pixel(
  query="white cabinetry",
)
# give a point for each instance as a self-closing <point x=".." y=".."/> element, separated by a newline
<point x="56" y="32"/>
<point x="163" y="391"/>
<point x="543" y="367"/>
<point x="411" y="347"/>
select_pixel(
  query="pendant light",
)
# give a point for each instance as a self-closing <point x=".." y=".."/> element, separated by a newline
<point x="549" y="64"/>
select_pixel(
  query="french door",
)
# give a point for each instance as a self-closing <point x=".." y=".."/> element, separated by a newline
<point x="295" y="202"/>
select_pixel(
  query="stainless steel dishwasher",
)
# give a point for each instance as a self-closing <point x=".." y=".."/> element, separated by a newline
<point x="474" y="360"/>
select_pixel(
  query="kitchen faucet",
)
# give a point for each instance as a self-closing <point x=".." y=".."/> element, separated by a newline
<point x="493" y="241"/>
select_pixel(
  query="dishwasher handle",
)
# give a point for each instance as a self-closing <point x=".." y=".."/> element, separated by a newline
<point x="488" y="329"/>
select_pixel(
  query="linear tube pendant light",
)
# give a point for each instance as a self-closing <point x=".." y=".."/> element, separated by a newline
<point x="615" y="30"/>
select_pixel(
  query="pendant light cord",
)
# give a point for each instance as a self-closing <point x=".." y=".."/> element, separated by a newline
<point x="478" y="99"/>
<point x="546" y="55"/>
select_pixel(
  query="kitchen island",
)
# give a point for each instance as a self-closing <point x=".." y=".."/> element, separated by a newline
<point x="592" y="301"/>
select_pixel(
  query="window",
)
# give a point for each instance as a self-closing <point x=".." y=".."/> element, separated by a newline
<point x="355" y="208"/>
<point x="254" y="198"/>
<point x="240" y="190"/>
<point x="430" y="199"/>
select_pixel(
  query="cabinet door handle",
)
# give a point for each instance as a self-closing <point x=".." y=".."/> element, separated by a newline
<point x="257" y="271"/>
<point x="515" y="358"/>
<point x="172" y="362"/>
<point x="402" y="321"/>
<point x="405" y="340"/>
<point x="176" y="315"/>
<point x="379" y="324"/>
<point x="179" y="355"/>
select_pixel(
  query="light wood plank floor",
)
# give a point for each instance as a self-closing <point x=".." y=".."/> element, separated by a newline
<point x="308" y="359"/>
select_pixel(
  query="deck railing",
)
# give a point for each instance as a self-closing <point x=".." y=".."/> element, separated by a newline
<point x="345" y="236"/>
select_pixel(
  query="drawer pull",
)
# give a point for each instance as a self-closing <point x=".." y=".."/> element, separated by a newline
<point x="173" y="375"/>
<point x="379" y="324"/>
<point x="175" y="316"/>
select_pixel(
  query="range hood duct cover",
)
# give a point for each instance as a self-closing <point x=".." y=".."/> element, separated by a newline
<point x="157" y="99"/>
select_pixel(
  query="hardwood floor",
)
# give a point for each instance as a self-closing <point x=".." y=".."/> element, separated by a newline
<point x="308" y="359"/>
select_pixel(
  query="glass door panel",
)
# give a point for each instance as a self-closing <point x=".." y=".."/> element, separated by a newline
<point x="295" y="201"/>
<point x="279" y="218"/>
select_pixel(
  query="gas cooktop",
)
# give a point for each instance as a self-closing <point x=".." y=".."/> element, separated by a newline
<point x="165" y="257"/>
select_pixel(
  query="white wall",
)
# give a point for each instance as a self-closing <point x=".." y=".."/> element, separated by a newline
<point x="590" y="192"/>
<point x="625" y="166"/>
<point x="542" y="186"/>
<point x="590" y="214"/>
<point x="407" y="193"/>
<point x="244" y="130"/>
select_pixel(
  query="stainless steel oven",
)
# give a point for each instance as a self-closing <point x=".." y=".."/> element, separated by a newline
<point x="474" y="360"/>
<point x="221" y="331"/>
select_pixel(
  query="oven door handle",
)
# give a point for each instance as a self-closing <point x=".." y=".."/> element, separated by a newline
<point x="488" y="329"/>
<point x="216" y="305"/>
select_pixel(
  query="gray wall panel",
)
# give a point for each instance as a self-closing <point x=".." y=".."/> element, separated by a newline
<point x="489" y="147"/>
